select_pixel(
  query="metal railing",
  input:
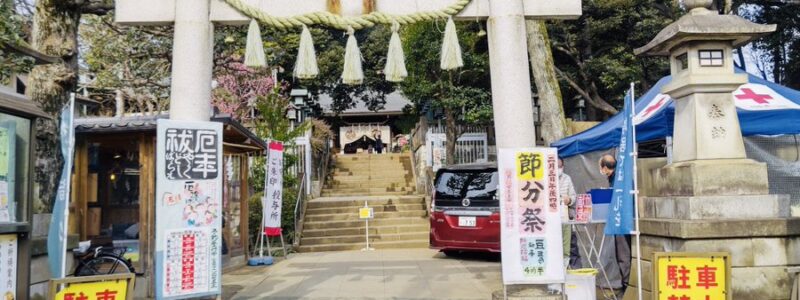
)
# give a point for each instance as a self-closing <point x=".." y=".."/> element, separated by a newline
<point x="321" y="165"/>
<point x="299" y="210"/>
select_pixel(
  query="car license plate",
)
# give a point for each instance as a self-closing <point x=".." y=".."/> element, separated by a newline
<point x="466" y="221"/>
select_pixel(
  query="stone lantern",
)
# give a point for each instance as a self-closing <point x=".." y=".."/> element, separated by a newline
<point x="700" y="47"/>
<point x="711" y="198"/>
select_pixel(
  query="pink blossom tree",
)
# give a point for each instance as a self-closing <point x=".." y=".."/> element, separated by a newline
<point x="238" y="89"/>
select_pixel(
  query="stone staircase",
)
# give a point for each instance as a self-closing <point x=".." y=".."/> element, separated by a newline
<point x="386" y="183"/>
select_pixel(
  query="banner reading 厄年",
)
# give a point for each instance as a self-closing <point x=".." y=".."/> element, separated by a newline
<point x="188" y="209"/>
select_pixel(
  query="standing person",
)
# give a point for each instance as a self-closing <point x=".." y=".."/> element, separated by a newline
<point x="378" y="143"/>
<point x="608" y="165"/>
<point x="567" y="191"/>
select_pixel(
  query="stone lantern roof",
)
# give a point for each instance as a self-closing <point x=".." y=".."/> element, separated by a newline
<point x="702" y="24"/>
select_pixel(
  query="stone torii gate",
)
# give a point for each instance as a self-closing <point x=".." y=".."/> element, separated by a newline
<point x="190" y="94"/>
<point x="193" y="46"/>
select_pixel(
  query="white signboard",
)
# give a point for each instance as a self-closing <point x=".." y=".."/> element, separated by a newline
<point x="8" y="266"/>
<point x="273" y="199"/>
<point x="188" y="209"/>
<point x="530" y="216"/>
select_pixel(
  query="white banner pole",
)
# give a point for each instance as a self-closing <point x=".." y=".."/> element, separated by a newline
<point x="636" y="198"/>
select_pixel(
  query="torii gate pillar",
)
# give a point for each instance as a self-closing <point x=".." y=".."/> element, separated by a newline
<point x="512" y="100"/>
<point x="192" y="62"/>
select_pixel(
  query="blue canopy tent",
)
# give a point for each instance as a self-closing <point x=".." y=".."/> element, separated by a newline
<point x="764" y="108"/>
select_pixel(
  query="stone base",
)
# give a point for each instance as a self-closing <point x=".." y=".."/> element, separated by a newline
<point x="718" y="207"/>
<point x="526" y="292"/>
<point x="712" y="178"/>
<point x="758" y="265"/>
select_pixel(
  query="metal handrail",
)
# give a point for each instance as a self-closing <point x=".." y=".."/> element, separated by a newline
<point x="298" y="212"/>
<point x="322" y="172"/>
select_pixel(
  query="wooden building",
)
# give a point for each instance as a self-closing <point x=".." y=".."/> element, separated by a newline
<point x="113" y="188"/>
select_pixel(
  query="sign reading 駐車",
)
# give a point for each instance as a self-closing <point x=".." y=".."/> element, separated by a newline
<point x="530" y="216"/>
<point x="680" y="276"/>
<point x="100" y="287"/>
<point x="188" y="209"/>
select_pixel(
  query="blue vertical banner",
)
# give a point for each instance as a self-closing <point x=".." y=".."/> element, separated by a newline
<point x="57" y="233"/>
<point x="620" y="215"/>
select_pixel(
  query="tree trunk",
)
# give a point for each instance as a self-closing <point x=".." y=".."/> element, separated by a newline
<point x="451" y="136"/>
<point x="551" y="106"/>
<point x="55" y="32"/>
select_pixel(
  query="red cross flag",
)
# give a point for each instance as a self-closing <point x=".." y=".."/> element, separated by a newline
<point x="652" y="108"/>
<point x="760" y="97"/>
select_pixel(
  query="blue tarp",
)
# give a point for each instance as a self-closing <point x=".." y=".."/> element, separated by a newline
<point x="659" y="125"/>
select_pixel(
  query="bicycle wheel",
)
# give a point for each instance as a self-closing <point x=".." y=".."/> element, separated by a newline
<point x="104" y="264"/>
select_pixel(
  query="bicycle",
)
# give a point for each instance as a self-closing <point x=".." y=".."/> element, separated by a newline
<point x="102" y="260"/>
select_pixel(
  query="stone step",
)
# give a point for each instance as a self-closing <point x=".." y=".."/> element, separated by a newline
<point x="328" y="202"/>
<point x="353" y="215"/>
<point x="365" y="156"/>
<point x="360" y="230"/>
<point x="389" y="173"/>
<point x="421" y="243"/>
<point x="342" y="194"/>
<point x="376" y="177"/>
<point x="348" y="239"/>
<point x="378" y="208"/>
<point x="357" y="223"/>
<point x="369" y="190"/>
<point x="357" y="185"/>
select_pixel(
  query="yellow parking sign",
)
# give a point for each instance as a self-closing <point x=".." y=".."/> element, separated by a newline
<point x="703" y="276"/>
<point x="101" y="287"/>
<point x="365" y="213"/>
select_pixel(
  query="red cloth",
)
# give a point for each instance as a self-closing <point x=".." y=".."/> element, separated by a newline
<point x="273" y="231"/>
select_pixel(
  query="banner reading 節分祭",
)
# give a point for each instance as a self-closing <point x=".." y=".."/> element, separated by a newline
<point x="530" y="217"/>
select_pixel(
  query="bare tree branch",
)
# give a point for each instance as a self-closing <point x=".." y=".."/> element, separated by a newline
<point x="594" y="101"/>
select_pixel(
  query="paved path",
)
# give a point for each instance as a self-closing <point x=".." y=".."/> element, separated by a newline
<point x="381" y="274"/>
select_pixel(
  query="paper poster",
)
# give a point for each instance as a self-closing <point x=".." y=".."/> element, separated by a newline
<point x="5" y="203"/>
<point x="530" y="216"/>
<point x="273" y="198"/>
<point x="188" y="209"/>
<point x="5" y="152"/>
<point x="583" y="208"/>
<point x="8" y="266"/>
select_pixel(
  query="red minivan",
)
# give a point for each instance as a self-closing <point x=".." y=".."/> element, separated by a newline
<point x="465" y="210"/>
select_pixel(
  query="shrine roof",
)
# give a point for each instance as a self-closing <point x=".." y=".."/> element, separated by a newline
<point x="233" y="132"/>
<point x="395" y="103"/>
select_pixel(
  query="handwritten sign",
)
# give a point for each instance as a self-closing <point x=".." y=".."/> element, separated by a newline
<point x="530" y="216"/>
<point x="273" y="198"/>
<point x="103" y="287"/>
<point x="702" y="276"/>
<point x="8" y="266"/>
<point x="191" y="153"/>
<point x="188" y="209"/>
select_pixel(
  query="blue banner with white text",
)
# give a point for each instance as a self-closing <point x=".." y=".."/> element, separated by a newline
<point x="620" y="214"/>
<point x="57" y="233"/>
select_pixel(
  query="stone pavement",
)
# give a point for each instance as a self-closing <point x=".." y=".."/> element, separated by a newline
<point x="380" y="274"/>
